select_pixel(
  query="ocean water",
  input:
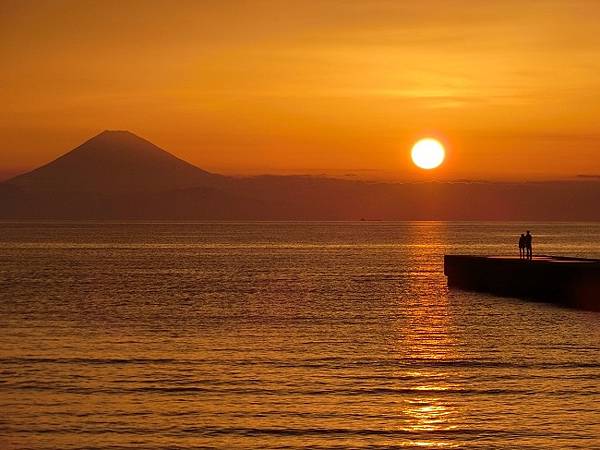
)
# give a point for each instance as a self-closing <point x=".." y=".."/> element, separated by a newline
<point x="285" y="335"/>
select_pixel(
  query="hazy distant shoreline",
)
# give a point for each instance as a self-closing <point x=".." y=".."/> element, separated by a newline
<point x="118" y="175"/>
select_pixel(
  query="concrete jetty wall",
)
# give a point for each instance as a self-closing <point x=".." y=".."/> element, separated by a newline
<point x="573" y="282"/>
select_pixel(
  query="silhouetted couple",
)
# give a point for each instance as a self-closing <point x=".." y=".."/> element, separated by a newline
<point x="525" y="246"/>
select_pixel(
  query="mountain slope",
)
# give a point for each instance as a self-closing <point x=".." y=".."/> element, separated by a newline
<point x="111" y="162"/>
<point x="117" y="175"/>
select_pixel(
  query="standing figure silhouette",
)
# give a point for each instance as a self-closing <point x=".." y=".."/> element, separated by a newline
<point x="522" y="246"/>
<point x="528" y="245"/>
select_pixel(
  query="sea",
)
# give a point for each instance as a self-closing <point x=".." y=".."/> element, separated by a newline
<point x="264" y="335"/>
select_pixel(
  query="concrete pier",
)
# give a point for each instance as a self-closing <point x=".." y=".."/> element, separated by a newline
<point x="573" y="282"/>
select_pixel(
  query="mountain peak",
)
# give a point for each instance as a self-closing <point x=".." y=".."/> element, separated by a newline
<point x="121" y="139"/>
<point x="117" y="134"/>
<point x="115" y="161"/>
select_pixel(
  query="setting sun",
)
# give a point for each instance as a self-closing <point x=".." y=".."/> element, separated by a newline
<point x="428" y="153"/>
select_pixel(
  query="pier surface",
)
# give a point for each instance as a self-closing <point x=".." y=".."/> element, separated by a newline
<point x="573" y="282"/>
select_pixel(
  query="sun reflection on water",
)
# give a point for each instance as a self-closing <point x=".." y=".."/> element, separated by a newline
<point x="335" y="335"/>
<point x="424" y="337"/>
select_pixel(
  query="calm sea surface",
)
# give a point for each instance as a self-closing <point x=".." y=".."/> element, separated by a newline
<point x="285" y="335"/>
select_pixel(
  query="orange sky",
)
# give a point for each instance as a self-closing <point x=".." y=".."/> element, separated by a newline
<point x="336" y="87"/>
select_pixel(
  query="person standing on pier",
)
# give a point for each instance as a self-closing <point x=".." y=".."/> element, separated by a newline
<point x="522" y="246"/>
<point x="529" y="244"/>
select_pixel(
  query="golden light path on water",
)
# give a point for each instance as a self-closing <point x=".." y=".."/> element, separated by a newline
<point x="426" y="335"/>
<point x="270" y="335"/>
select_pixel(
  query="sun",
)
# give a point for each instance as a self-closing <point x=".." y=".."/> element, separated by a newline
<point x="428" y="153"/>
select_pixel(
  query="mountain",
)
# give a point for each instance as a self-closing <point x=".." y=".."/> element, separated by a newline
<point x="115" y="161"/>
<point x="118" y="175"/>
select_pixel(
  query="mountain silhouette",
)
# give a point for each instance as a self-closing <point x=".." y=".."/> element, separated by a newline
<point x="115" y="161"/>
<point x="118" y="175"/>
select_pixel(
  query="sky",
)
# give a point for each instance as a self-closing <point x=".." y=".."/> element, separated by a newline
<point x="340" y="87"/>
